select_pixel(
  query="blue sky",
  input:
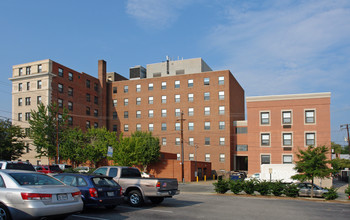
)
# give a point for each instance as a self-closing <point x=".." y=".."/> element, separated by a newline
<point x="272" y="47"/>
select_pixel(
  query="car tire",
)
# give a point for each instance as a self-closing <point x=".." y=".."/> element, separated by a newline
<point x="135" y="198"/>
<point x="4" y="212"/>
<point x="156" y="200"/>
<point x="110" y="206"/>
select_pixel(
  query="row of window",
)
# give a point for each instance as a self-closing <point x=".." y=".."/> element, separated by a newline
<point x="287" y="139"/>
<point x="206" y="157"/>
<point x="28" y="70"/>
<point x="70" y="78"/>
<point x="266" y="159"/>
<point x="38" y="85"/>
<point x="310" y="117"/>
<point x="190" y="82"/>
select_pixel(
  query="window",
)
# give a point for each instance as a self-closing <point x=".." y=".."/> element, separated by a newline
<point x="126" y="102"/>
<point x="70" y="120"/>
<point x="28" y="70"/>
<point x="150" y="127"/>
<point x="177" y="141"/>
<point x="287" y="139"/>
<point x="115" y="128"/>
<point x="28" y="100"/>
<point x="265" y="139"/>
<point x="177" y="98"/>
<point x="138" y="101"/>
<point x="87" y="82"/>
<point x="20" y="86"/>
<point x="88" y="124"/>
<point x="96" y="87"/>
<point x="178" y="156"/>
<point x="221" y="80"/>
<point x="310" y="139"/>
<point x="115" y="90"/>
<point x="70" y="76"/>
<point x="241" y="147"/>
<point x="190" y="126"/>
<point x="191" y="141"/>
<point x="20" y="101"/>
<point x="150" y="113"/>
<point x="150" y="100"/>
<point x="177" y="112"/>
<point x="20" y="71"/>
<point x="206" y="110"/>
<point x="126" y="127"/>
<point x="190" y="111"/>
<point x="221" y="110"/>
<point x="38" y="99"/>
<point x="191" y="156"/>
<point x="163" y="98"/>
<point x="70" y="91"/>
<point x="190" y="83"/>
<point x="190" y="97"/>
<point x="27" y="116"/>
<point x="221" y="95"/>
<point x="95" y="112"/>
<point x="222" y="158"/>
<point x="177" y="126"/>
<point x="222" y="141"/>
<point x="60" y="72"/>
<point x="221" y="125"/>
<point x="38" y="84"/>
<point x="287" y="159"/>
<point x="88" y="110"/>
<point x="207" y="157"/>
<point x="70" y="106"/>
<point x="138" y="88"/>
<point x="264" y="118"/>
<point x="206" y="81"/>
<point x="126" y="89"/>
<point x="115" y="102"/>
<point x="60" y="88"/>
<point x="207" y="125"/>
<point x="177" y="84"/>
<point x="115" y="115"/>
<point x="164" y="141"/>
<point x="163" y="112"/>
<point x="265" y="159"/>
<point x="28" y="85"/>
<point x="126" y="114"/>
<point x="88" y="97"/>
<point x="138" y="114"/>
<point x="19" y="116"/>
<point x="163" y="126"/>
<point x="207" y="96"/>
<point x="150" y="86"/>
<point x="207" y="141"/>
<point x="163" y="85"/>
<point x="60" y="103"/>
<point x="96" y="100"/>
<point x="95" y="125"/>
<point x="286" y="117"/>
<point x="241" y="130"/>
<point x="138" y="127"/>
<point x="310" y="116"/>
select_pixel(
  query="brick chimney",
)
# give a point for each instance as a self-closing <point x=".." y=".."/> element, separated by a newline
<point x="102" y="93"/>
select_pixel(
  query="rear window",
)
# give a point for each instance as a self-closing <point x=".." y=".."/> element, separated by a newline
<point x="20" y="166"/>
<point x="103" y="182"/>
<point x="55" y="168"/>
<point x="33" y="179"/>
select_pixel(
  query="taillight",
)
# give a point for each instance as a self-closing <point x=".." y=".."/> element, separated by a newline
<point x="121" y="191"/>
<point x="93" y="192"/>
<point x="76" y="194"/>
<point x="158" y="184"/>
<point x="36" y="196"/>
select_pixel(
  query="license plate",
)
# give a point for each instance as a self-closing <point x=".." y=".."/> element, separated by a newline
<point x="110" y="193"/>
<point x="62" y="197"/>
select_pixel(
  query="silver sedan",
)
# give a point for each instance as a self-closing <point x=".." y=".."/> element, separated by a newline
<point x="305" y="190"/>
<point x="27" y="195"/>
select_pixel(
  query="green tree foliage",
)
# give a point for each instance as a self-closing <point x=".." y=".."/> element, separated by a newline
<point x="124" y="154"/>
<point x="339" y="164"/>
<point x="336" y="148"/>
<point x="11" y="144"/>
<point x="312" y="163"/>
<point x="73" y="146"/>
<point x="45" y="124"/>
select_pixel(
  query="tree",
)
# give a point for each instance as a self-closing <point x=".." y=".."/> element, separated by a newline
<point x="124" y="153"/>
<point x="46" y="125"/>
<point x="11" y="143"/>
<point x="73" y="146"/>
<point x="336" y="148"/>
<point x="312" y="163"/>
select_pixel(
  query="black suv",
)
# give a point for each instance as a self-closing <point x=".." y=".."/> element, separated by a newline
<point x="16" y="165"/>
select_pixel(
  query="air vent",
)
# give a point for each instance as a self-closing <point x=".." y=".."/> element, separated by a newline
<point x="287" y="126"/>
<point x="287" y="148"/>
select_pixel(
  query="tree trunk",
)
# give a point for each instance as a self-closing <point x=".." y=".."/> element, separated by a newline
<point x="312" y="187"/>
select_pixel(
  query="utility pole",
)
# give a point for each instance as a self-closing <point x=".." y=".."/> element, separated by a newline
<point x="182" y="146"/>
<point x="57" y="146"/>
<point x="346" y="126"/>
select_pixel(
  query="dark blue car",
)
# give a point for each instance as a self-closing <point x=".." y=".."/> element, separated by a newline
<point x="96" y="190"/>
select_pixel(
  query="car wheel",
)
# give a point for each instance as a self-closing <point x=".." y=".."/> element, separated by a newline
<point x="156" y="200"/>
<point x="4" y="212"/>
<point x="110" y="206"/>
<point x="135" y="198"/>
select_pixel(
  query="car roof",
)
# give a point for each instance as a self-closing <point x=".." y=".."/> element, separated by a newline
<point x="83" y="174"/>
<point x="18" y="171"/>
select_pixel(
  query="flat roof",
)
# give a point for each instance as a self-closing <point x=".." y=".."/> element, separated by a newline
<point x="288" y="97"/>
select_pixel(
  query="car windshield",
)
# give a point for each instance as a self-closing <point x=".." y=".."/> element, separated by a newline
<point x="103" y="182"/>
<point x="33" y="179"/>
<point x="20" y="166"/>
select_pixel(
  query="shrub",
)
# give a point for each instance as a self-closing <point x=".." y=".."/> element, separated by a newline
<point x="221" y="186"/>
<point x="236" y="186"/>
<point x="347" y="191"/>
<point x="249" y="186"/>
<point x="291" y="190"/>
<point x="263" y="187"/>
<point x="331" y="194"/>
<point x="277" y="188"/>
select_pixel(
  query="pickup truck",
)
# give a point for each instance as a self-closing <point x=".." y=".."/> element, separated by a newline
<point x="137" y="189"/>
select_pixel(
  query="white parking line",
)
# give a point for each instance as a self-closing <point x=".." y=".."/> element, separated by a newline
<point x="88" y="217"/>
<point x="151" y="210"/>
